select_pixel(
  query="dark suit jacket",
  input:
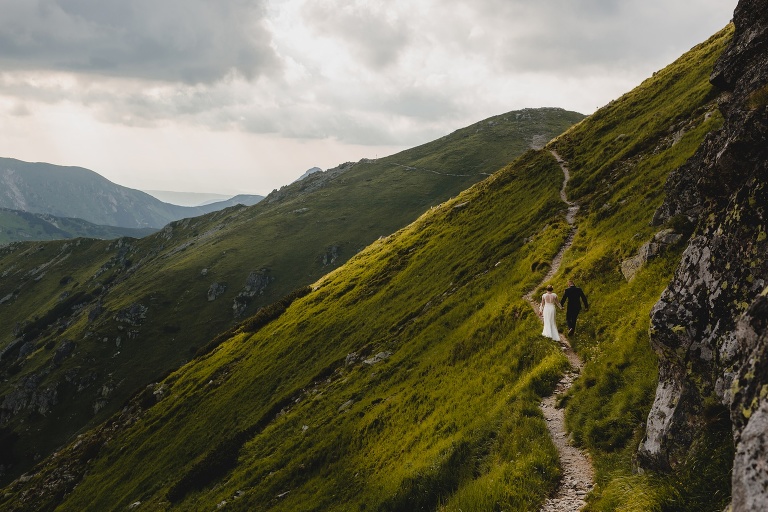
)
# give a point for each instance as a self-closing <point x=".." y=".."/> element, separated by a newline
<point x="576" y="295"/>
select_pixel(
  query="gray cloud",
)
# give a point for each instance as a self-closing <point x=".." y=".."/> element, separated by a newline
<point x="19" y="110"/>
<point x="372" y="33"/>
<point x="394" y="73"/>
<point x="563" y="36"/>
<point x="361" y="128"/>
<point x="173" y="40"/>
<point x="423" y="104"/>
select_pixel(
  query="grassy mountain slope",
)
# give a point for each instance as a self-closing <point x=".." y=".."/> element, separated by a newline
<point x="75" y="192"/>
<point x="19" y="226"/>
<point x="85" y="323"/>
<point x="411" y="419"/>
<point x="408" y="378"/>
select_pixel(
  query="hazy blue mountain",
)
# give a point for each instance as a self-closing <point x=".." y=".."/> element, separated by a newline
<point x="243" y="199"/>
<point x="202" y="199"/>
<point x="77" y="192"/>
<point x="187" y="198"/>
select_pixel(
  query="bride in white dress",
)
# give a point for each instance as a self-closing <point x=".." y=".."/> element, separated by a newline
<point x="547" y="312"/>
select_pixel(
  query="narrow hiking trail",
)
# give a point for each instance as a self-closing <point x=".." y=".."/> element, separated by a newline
<point x="578" y="474"/>
<point x="412" y="168"/>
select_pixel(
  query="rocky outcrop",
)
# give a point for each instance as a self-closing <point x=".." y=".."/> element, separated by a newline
<point x="255" y="284"/>
<point x="65" y="349"/>
<point x="29" y="396"/>
<point x="330" y="255"/>
<point x="750" y="409"/>
<point x="309" y="182"/>
<point x="649" y="250"/>
<point x="707" y="327"/>
<point x="215" y="290"/>
<point x="134" y="315"/>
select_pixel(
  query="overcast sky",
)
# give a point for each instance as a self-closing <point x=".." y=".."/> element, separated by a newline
<point x="243" y="96"/>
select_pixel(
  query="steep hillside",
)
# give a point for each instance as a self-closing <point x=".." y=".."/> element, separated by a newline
<point x="18" y="226"/>
<point x="408" y="379"/>
<point x="85" y="323"/>
<point x="75" y="192"/>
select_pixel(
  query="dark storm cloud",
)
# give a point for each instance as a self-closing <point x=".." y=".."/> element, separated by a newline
<point x="170" y="40"/>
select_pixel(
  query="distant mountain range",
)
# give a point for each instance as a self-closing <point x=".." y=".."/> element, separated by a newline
<point x="187" y="198"/>
<point x="75" y="192"/>
<point x="16" y="226"/>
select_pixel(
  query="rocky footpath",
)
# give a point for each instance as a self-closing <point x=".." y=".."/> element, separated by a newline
<point x="710" y="327"/>
<point x="578" y="474"/>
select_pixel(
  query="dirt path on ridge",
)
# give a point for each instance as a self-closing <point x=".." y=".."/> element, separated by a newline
<point x="578" y="474"/>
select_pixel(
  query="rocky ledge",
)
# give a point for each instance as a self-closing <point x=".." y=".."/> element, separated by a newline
<point x="710" y="326"/>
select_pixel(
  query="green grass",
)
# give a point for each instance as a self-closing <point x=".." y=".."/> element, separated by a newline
<point x="452" y="411"/>
<point x="759" y="98"/>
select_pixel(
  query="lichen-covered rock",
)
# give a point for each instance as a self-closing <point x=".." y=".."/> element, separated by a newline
<point x="749" y="409"/>
<point x="704" y="349"/>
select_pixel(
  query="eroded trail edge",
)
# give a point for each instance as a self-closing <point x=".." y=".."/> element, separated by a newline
<point x="578" y="473"/>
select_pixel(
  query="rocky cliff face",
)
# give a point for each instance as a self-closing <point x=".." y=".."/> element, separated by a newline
<point x="710" y="327"/>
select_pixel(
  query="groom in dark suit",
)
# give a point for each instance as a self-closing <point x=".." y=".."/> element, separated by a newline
<point x="576" y="295"/>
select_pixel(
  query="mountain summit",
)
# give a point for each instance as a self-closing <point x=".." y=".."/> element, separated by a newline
<point x="309" y="172"/>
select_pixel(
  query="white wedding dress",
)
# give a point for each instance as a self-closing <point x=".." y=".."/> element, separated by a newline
<point x="548" y="314"/>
